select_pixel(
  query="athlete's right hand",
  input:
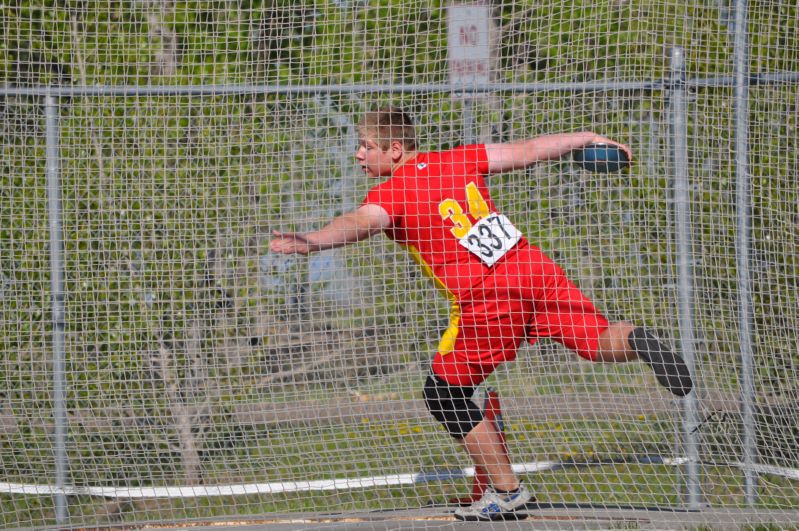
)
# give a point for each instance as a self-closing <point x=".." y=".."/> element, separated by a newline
<point x="289" y="243"/>
<point x="623" y="147"/>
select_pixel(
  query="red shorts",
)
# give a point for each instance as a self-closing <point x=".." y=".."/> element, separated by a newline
<point x="527" y="297"/>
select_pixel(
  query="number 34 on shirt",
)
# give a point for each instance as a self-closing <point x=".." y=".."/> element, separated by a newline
<point x="490" y="237"/>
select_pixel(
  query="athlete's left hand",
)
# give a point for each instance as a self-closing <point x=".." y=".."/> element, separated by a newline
<point x="289" y="243"/>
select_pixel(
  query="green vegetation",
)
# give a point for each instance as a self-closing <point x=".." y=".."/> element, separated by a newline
<point x="179" y="323"/>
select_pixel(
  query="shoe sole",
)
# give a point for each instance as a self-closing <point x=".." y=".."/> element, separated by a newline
<point x="499" y="517"/>
<point x="507" y="516"/>
<point x="670" y="370"/>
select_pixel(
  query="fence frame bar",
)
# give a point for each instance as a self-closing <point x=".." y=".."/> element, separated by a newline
<point x="676" y="85"/>
<point x="743" y="244"/>
<point x="684" y="238"/>
<point x="53" y="169"/>
<point x="486" y="88"/>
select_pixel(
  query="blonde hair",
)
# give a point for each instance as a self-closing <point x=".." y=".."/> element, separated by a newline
<point x="387" y="124"/>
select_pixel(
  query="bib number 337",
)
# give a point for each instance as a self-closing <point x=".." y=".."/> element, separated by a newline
<point x="491" y="237"/>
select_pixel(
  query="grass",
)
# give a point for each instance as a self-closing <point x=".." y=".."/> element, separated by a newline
<point x="600" y="456"/>
<point x="359" y="450"/>
<point x="603" y="486"/>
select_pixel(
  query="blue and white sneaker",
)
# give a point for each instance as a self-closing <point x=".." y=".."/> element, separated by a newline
<point x="496" y="506"/>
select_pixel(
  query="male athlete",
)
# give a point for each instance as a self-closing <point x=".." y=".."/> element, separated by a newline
<point x="503" y="289"/>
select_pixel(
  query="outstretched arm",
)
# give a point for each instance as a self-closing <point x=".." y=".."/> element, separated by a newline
<point x="347" y="228"/>
<point x="518" y="155"/>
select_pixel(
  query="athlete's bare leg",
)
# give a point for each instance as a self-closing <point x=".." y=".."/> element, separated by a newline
<point x="624" y="342"/>
<point x="483" y="443"/>
<point x="485" y="447"/>
<point x="613" y="344"/>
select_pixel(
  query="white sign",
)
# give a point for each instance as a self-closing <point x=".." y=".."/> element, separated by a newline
<point x="469" y="44"/>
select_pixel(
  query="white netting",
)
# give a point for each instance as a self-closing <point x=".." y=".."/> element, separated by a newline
<point x="207" y="377"/>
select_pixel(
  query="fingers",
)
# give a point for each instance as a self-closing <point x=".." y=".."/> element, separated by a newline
<point x="298" y="236"/>
<point x="623" y="147"/>
<point x="288" y="243"/>
<point x="288" y="247"/>
<point x="626" y="150"/>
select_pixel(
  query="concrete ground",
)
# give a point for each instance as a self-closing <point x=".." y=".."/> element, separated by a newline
<point x="538" y="517"/>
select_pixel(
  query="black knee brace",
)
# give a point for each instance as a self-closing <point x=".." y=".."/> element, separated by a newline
<point x="452" y="406"/>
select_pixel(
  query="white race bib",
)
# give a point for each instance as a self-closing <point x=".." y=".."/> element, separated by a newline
<point x="491" y="237"/>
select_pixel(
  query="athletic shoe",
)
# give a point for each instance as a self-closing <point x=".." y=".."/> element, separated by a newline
<point x="670" y="369"/>
<point x="496" y="506"/>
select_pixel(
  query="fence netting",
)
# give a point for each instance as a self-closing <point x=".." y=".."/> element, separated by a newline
<point x="206" y="376"/>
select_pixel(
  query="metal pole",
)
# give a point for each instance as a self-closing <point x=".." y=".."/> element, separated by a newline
<point x="742" y="245"/>
<point x="57" y="288"/>
<point x="74" y="91"/>
<point x="682" y="221"/>
<point x="469" y="135"/>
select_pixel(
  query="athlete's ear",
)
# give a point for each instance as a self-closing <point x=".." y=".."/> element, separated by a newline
<point x="397" y="150"/>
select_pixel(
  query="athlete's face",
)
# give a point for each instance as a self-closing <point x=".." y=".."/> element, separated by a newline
<point x="374" y="161"/>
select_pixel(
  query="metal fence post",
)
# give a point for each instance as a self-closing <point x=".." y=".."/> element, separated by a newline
<point x="742" y="245"/>
<point x="53" y="168"/>
<point x="682" y="223"/>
